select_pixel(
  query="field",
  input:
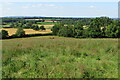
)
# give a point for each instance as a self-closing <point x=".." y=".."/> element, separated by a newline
<point x="12" y="31"/>
<point x="44" y="23"/>
<point x="48" y="26"/>
<point x="58" y="57"/>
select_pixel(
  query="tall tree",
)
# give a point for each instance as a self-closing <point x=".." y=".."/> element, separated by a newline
<point x="3" y="34"/>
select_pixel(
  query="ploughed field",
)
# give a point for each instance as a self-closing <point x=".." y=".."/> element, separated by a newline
<point x="58" y="57"/>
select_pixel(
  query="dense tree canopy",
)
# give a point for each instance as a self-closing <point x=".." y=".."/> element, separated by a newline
<point x="20" y="32"/>
<point x="3" y="34"/>
<point x="94" y="28"/>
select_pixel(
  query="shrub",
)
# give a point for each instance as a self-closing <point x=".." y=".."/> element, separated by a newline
<point x="3" y="34"/>
<point x="20" y="32"/>
<point x="42" y="28"/>
<point x="35" y="27"/>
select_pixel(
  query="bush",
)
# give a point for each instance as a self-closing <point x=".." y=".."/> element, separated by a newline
<point x="3" y="34"/>
<point x="42" y="28"/>
<point x="20" y="32"/>
<point x="35" y="27"/>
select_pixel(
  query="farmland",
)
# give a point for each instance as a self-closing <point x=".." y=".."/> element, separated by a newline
<point x="44" y="23"/>
<point x="75" y="47"/>
<point x="43" y="57"/>
<point x="47" y="24"/>
<point x="12" y="31"/>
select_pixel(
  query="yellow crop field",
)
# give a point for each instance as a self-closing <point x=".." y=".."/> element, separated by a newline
<point x="12" y="31"/>
<point x="33" y="19"/>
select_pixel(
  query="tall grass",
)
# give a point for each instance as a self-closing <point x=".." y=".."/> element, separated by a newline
<point x="43" y="57"/>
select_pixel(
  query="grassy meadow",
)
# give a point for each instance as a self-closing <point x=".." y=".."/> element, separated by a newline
<point x="58" y="57"/>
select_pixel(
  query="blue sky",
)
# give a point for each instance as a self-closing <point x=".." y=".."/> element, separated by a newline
<point x="60" y="9"/>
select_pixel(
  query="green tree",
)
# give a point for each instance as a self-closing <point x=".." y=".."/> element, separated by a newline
<point x="29" y="25"/>
<point x="20" y="32"/>
<point x="42" y="28"/>
<point x="113" y="31"/>
<point x="12" y="25"/>
<point x="55" y="29"/>
<point x="66" y="31"/>
<point x="36" y="27"/>
<point x="102" y="21"/>
<point x="3" y="34"/>
<point x="93" y="31"/>
<point x="78" y="30"/>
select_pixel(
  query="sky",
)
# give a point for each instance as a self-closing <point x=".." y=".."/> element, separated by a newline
<point x="60" y="9"/>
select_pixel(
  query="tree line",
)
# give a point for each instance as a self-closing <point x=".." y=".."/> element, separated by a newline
<point x="28" y="25"/>
<point x="99" y="27"/>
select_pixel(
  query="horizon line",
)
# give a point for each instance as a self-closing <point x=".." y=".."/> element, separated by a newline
<point x="63" y="16"/>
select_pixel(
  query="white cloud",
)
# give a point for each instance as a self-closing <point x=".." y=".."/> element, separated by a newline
<point x="9" y="3"/>
<point x="38" y="5"/>
<point x="25" y="7"/>
<point x="45" y="5"/>
<point x="8" y="8"/>
<point x="51" y="5"/>
<point x="92" y="6"/>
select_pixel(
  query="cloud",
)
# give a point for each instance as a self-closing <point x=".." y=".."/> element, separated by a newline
<point x="38" y="5"/>
<point x="8" y="8"/>
<point x="45" y="5"/>
<point x="50" y="5"/>
<point x="25" y="7"/>
<point x="92" y="6"/>
<point x="8" y="3"/>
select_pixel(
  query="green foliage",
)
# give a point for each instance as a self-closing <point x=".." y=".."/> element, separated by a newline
<point x="93" y="31"/>
<point x="78" y="30"/>
<point x="103" y="21"/>
<point x="12" y="25"/>
<point x="3" y="34"/>
<point x="98" y="27"/>
<point x="35" y="27"/>
<point x="56" y="28"/>
<point x="20" y="32"/>
<point x="66" y="31"/>
<point x="42" y="28"/>
<point x="113" y="31"/>
<point x="95" y="28"/>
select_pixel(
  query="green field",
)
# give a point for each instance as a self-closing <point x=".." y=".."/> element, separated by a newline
<point x="43" y="57"/>
<point x="46" y="23"/>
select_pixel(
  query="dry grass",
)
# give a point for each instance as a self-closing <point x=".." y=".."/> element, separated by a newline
<point x="12" y="31"/>
<point x="48" y="21"/>
<point x="33" y="19"/>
